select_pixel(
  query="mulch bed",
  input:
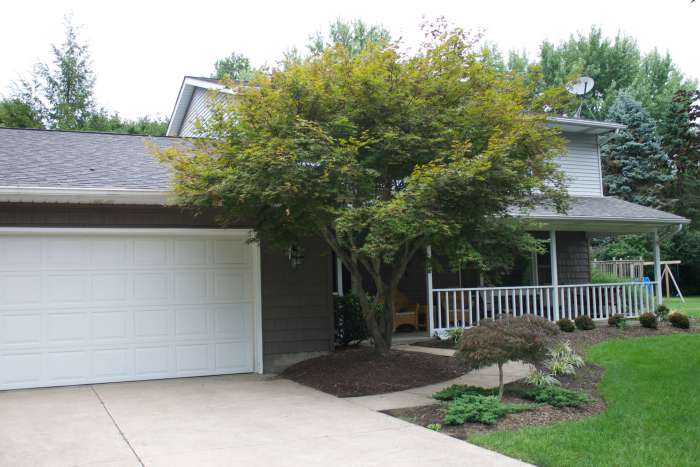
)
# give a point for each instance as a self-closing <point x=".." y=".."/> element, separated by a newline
<point x="359" y="372"/>
<point x="586" y="380"/>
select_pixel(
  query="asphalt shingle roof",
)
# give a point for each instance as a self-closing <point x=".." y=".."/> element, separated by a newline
<point x="68" y="159"/>
<point x="604" y="208"/>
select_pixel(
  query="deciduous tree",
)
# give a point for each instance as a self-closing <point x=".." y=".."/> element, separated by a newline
<point x="380" y="154"/>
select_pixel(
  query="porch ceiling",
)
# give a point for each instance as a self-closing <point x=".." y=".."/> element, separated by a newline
<point x="601" y="215"/>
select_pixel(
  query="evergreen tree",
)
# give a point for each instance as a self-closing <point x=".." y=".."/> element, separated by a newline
<point x="635" y="167"/>
<point x="67" y="85"/>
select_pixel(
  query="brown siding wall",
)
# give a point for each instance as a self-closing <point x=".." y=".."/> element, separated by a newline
<point x="297" y="306"/>
<point x="573" y="258"/>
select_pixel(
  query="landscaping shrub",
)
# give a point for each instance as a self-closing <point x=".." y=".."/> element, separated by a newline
<point x="679" y="320"/>
<point x="661" y="312"/>
<point x="434" y="427"/>
<point x="562" y="360"/>
<point x="648" y="320"/>
<point x="616" y="320"/>
<point x="566" y="325"/>
<point x="455" y="334"/>
<point x="541" y="379"/>
<point x="481" y="409"/>
<point x="457" y="390"/>
<point x="559" y="397"/>
<point x="584" y="323"/>
<point x="523" y="338"/>
<point x="350" y="326"/>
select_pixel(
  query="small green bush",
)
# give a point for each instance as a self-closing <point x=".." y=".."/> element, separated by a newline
<point x="457" y="390"/>
<point x="648" y="320"/>
<point x="584" y="323"/>
<point x="480" y="409"/>
<point x="566" y="325"/>
<point x="434" y="427"/>
<point x="541" y="379"/>
<point x="662" y="312"/>
<point x="679" y="320"/>
<point x="560" y="397"/>
<point x="616" y="320"/>
<point x="562" y="360"/>
<point x="455" y="334"/>
<point x="350" y="325"/>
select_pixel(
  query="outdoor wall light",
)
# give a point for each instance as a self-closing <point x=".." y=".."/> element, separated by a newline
<point x="296" y="256"/>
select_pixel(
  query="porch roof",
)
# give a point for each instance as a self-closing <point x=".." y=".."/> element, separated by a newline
<point x="602" y="214"/>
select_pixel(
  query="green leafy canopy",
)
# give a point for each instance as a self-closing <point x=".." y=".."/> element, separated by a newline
<point x="381" y="153"/>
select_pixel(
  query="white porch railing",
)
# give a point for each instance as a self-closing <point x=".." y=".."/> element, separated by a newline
<point x="624" y="268"/>
<point x="458" y="307"/>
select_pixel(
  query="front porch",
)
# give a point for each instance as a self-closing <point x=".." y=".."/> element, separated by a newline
<point x="553" y="285"/>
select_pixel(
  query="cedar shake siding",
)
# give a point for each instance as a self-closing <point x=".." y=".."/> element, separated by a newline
<point x="573" y="258"/>
<point x="297" y="304"/>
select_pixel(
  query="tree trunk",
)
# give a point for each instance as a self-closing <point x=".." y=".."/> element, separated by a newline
<point x="500" y="381"/>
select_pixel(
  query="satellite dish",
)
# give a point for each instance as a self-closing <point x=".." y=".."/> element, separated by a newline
<point x="580" y="86"/>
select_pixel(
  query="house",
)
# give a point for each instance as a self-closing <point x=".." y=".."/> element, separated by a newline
<point x="102" y="279"/>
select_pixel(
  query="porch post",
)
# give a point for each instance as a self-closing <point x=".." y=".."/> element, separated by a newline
<point x="429" y="280"/>
<point x="657" y="268"/>
<point x="339" y="275"/>
<point x="555" y="273"/>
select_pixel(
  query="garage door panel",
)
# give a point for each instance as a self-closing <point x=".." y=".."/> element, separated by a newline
<point x="110" y="325"/>
<point x="113" y="253"/>
<point x="21" y="369"/>
<point x="233" y="321"/>
<point x="190" y="286"/>
<point x="232" y="356"/>
<point x="152" y="322"/>
<point x="80" y="308"/>
<point x="63" y="252"/>
<point x="232" y="286"/>
<point x="150" y="286"/>
<point x="191" y="252"/>
<point x="67" y="366"/>
<point x="21" y="288"/>
<point x="64" y="328"/>
<point x="111" y="363"/>
<point x="152" y="361"/>
<point x="192" y="358"/>
<point x="150" y="252"/>
<point x="21" y="329"/>
<point x="66" y="287"/>
<point x="20" y="252"/>
<point x="109" y="287"/>
<point x="231" y="252"/>
<point x="192" y="322"/>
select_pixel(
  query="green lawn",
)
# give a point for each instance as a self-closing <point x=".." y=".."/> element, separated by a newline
<point x="691" y="307"/>
<point x="652" y="418"/>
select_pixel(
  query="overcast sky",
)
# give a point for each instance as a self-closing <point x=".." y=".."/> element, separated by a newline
<point x="142" y="49"/>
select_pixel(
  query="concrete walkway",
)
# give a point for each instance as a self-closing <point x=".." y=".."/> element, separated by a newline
<point x="485" y="378"/>
<point x="239" y="420"/>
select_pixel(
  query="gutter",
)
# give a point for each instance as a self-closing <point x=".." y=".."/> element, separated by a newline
<point x="22" y="194"/>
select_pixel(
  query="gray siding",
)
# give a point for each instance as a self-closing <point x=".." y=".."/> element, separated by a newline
<point x="297" y="304"/>
<point x="200" y="109"/>
<point x="581" y="165"/>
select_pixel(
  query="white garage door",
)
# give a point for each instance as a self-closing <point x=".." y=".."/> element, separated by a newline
<point x="99" y="305"/>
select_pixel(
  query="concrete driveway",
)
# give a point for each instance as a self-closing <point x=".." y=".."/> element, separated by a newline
<point x="245" y="420"/>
